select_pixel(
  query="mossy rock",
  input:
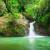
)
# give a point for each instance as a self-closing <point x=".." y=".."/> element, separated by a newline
<point x="10" y="26"/>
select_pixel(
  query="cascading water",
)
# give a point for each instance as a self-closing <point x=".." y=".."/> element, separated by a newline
<point x="32" y="36"/>
<point x="32" y="32"/>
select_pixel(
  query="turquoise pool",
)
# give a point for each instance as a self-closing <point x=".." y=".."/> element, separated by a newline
<point x="21" y="43"/>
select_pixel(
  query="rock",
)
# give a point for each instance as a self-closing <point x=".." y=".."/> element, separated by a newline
<point x="9" y="26"/>
<point x="41" y="30"/>
<point x="22" y="25"/>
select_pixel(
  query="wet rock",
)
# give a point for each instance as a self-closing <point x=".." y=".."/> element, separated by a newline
<point x="41" y="30"/>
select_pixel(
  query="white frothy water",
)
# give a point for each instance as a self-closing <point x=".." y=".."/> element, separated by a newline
<point x="31" y="30"/>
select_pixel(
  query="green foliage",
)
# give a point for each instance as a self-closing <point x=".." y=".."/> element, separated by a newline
<point x="13" y="7"/>
<point x="36" y="7"/>
<point x="2" y="8"/>
<point x="39" y="10"/>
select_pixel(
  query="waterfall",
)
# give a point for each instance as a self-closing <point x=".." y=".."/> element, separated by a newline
<point x="31" y="30"/>
<point x="32" y="34"/>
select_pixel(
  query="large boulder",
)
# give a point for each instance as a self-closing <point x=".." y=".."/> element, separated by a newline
<point x="10" y="26"/>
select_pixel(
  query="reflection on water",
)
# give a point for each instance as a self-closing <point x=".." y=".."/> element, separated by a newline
<point x="21" y="43"/>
